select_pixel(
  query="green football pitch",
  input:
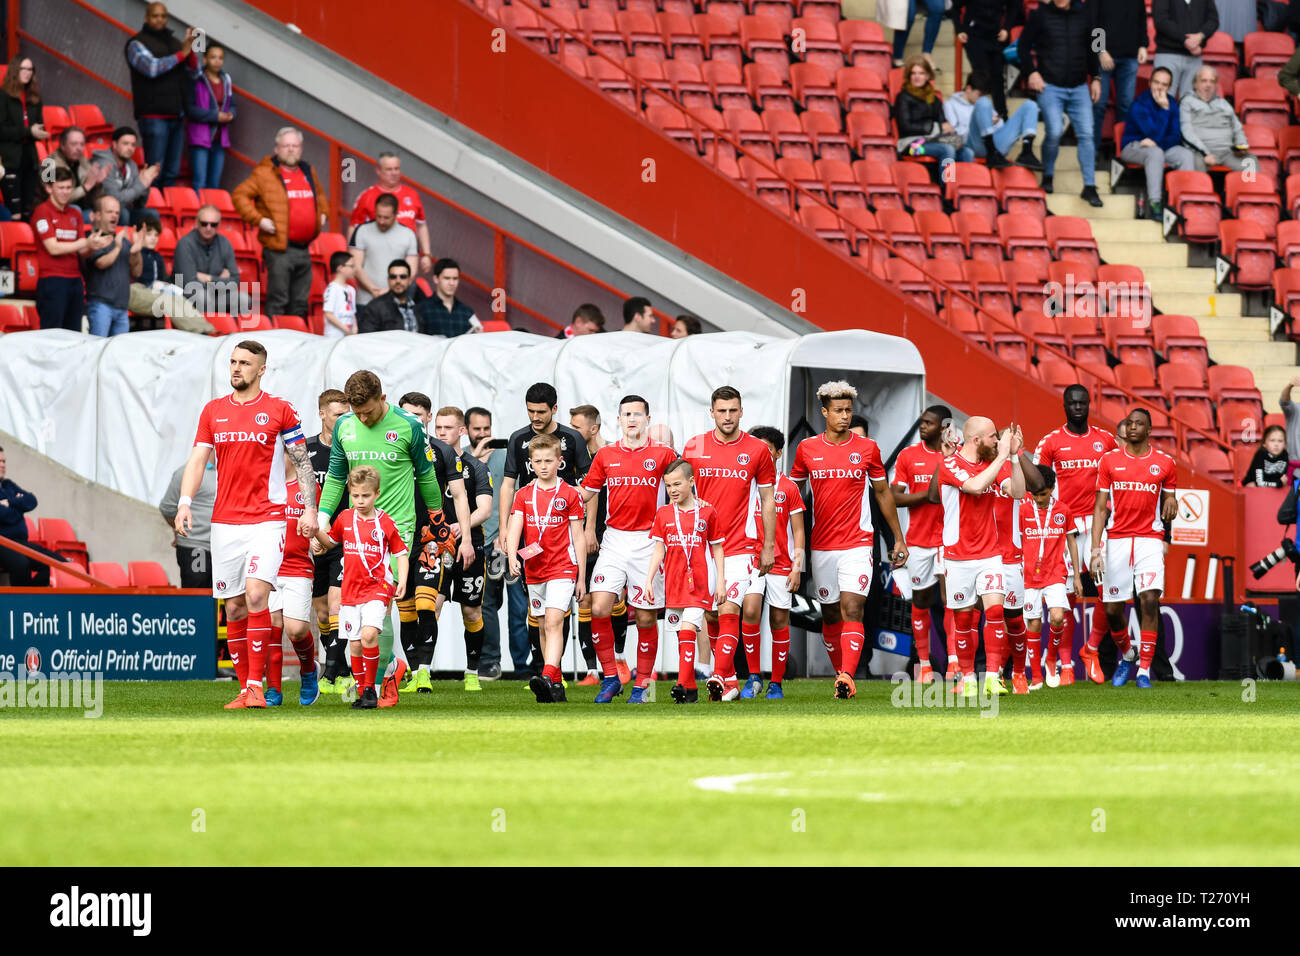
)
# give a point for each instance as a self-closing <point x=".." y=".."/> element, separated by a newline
<point x="1183" y="774"/>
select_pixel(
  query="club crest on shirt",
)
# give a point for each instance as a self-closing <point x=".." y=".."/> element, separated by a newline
<point x="1097" y="446"/>
<point x="261" y="418"/>
<point x="390" y="436"/>
<point x="298" y="495"/>
<point x="560" y="504"/>
<point x="701" y="527"/>
<point x="742" y="459"/>
<point x="959" y="596"/>
<point x="1154" y="469"/>
<point x="376" y="534"/>
<point x="648" y="464"/>
<point x="1058" y="518"/>
<point x="855" y="458"/>
<point x="780" y="497"/>
<point x="823" y="592"/>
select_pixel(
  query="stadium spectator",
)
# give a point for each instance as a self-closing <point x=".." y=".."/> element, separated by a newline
<point x="15" y="503"/>
<point x="21" y="126"/>
<point x="1238" y="17"/>
<point x="86" y="176"/>
<point x="934" y="10"/>
<point x="109" y="271"/>
<point x="194" y="552"/>
<point x="282" y="198"/>
<point x="983" y="27"/>
<point x="410" y="210"/>
<point x="492" y="452"/>
<point x="442" y="313"/>
<point x="60" y="295"/>
<point x="1182" y="27"/>
<point x="395" y="309"/>
<point x="1268" y="468"/>
<point x="685" y="325"/>
<point x="158" y="63"/>
<point x="587" y="320"/>
<point x="1124" y="37"/>
<point x="970" y="112"/>
<point x="919" y="112"/>
<point x="125" y="181"/>
<point x="1152" y="138"/>
<point x="152" y="292"/>
<point x="1057" y="53"/>
<point x="1292" y="414"/>
<point x="209" y="110"/>
<point x="205" y="266"/>
<point x="639" y="316"/>
<point x="341" y="298"/>
<point x="1210" y="127"/>
<point x="378" y="242"/>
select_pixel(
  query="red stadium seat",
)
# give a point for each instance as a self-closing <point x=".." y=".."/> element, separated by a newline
<point x="900" y="231"/>
<point x="791" y="140"/>
<point x="864" y="44"/>
<point x="291" y="322"/>
<point x="828" y="137"/>
<point x="56" y="121"/>
<point x="767" y="87"/>
<point x="827" y="226"/>
<point x="681" y="41"/>
<point x="804" y="176"/>
<point x="871" y="137"/>
<point x="961" y="319"/>
<point x="651" y="74"/>
<point x="1086" y="343"/>
<point x="1141" y="380"/>
<point x="769" y="187"/>
<point x="977" y="234"/>
<point x="1070" y="237"/>
<point x="1251" y="253"/>
<point x="745" y="126"/>
<point x="599" y="28"/>
<point x="763" y="40"/>
<point x="222" y="324"/>
<point x="1266" y="53"/>
<point x="729" y="10"/>
<point x="1123" y="290"/>
<point x="822" y="9"/>
<point x="1192" y="196"/>
<point x="941" y="239"/>
<point x="1287" y="243"/>
<point x="970" y="189"/>
<point x="1056" y="374"/>
<point x="1262" y="102"/>
<point x="1178" y="338"/>
<point x="1129" y="341"/>
<point x="1212" y="461"/>
<point x="860" y="88"/>
<point x="147" y="574"/>
<point x="688" y="84"/>
<point x="1220" y="52"/>
<point x="721" y="37"/>
<point x="673" y="122"/>
<point x="640" y="35"/>
<point x="1022" y="240"/>
<point x="821" y="43"/>
<point x="13" y="318"/>
<point x="864" y="226"/>
<point x="1044" y="330"/>
<point x="57" y="535"/>
<point x="988" y="288"/>
<point x="62" y="579"/>
<point x="840" y="184"/>
<point x="1018" y="191"/>
<point x="911" y="282"/>
<point x="1256" y="200"/>
<point x="1025" y="285"/>
<point x="1262" y="142"/>
<point x="110" y="572"/>
<point x="913" y="182"/>
<point x="18" y="245"/>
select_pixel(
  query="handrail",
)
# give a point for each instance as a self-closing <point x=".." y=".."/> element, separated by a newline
<point x="65" y="566"/>
<point x="337" y="146"/>
<point x="641" y="89"/>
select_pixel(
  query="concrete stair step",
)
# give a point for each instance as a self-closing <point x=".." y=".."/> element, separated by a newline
<point x="1119" y="208"/>
<point x="1256" y="356"/>
<point x="1179" y="279"/>
<point x="1195" y="303"/>
<point x="1270" y="380"/>
<point x="1106" y="231"/>
<point x="1146" y="254"/>
<point x="1218" y="329"/>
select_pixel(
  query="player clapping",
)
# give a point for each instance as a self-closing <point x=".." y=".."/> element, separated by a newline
<point x="783" y="580"/>
<point x="1046" y="533"/>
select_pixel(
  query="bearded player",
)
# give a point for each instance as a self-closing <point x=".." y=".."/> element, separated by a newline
<point x="735" y="474"/>
<point x="632" y="472"/>
<point x="841" y="469"/>
<point x="251" y="432"/>
<point x="1074" y="451"/>
<point x="1135" y="499"/>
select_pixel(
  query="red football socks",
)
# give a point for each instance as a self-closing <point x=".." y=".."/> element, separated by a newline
<point x="1100" y="626"/>
<point x="831" y="641"/>
<point x="851" y="641"/>
<point x="1034" y="652"/>
<point x="921" y="633"/>
<point x="1146" y="649"/>
<point x="1015" y="636"/>
<point x="686" y="658"/>
<point x="724" y="661"/>
<point x="711" y="627"/>
<point x="370" y="661"/>
<point x="275" y="658"/>
<point x="964" y="628"/>
<point x="552" y="673"/>
<point x="259" y="639"/>
<point x="995" y="639"/>
<point x="359" y="672"/>
<point x="602" y="641"/>
<point x="1056" y="635"/>
<point x="1123" y="643"/>
<point x="1065" y="653"/>
<point x="237" y="645"/>
<point x="950" y="633"/>
<point x="305" y="648"/>
<point x="751" y="636"/>
<point x="647" y="649"/>
<point x="780" y="652"/>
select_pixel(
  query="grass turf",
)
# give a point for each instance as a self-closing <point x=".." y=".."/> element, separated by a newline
<point x="1183" y="774"/>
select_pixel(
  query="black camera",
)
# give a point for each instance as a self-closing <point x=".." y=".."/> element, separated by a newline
<point x="1286" y="549"/>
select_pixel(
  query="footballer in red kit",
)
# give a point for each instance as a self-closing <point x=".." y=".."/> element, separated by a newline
<point x="734" y="473"/>
<point x="782" y="581"/>
<point x="972" y="555"/>
<point x="1049" y="560"/>
<point x="290" y="606"/>
<point x="251" y="433"/>
<point x="842" y="470"/>
<point x="1135" y="500"/>
<point x="919" y="581"/>
<point x="632" y="471"/>
<point x="688" y="539"/>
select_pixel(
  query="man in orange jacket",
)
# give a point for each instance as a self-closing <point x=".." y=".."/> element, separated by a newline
<point x="282" y="198"/>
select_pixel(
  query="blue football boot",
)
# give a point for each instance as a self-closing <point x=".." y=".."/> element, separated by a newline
<point x="310" y="688"/>
<point x="610" y="688"/>
<point x="753" y="687"/>
<point x="774" y="691"/>
<point x="1123" y="670"/>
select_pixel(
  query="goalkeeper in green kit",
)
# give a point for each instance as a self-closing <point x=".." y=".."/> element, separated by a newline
<point x="394" y="442"/>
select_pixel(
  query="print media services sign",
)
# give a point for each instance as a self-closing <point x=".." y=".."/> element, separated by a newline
<point x="121" y="636"/>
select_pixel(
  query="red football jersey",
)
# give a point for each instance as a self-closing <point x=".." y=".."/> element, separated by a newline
<point x="840" y="478"/>
<point x="728" y="476"/>
<point x="969" y="526"/>
<point x="635" y="478"/>
<point x="699" y="530"/>
<point x="547" y="513"/>
<point x="297" y="562"/>
<point x="410" y="210"/>
<point x="368" y="544"/>
<point x="913" y="468"/>
<point x="1074" y="458"/>
<point x="789" y="502"/>
<point x="1006" y="512"/>
<point x="66" y="226"/>
<point x="1042" y="535"/>
<point x="250" y="459"/>
<point x="1135" y="485"/>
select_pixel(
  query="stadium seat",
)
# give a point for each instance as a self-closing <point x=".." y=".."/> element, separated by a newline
<point x="599" y="28"/>
<point x="613" y="82"/>
<point x="1192" y="196"/>
<point x="681" y="42"/>
<point x="804" y="176"/>
<point x="1262" y="102"/>
<point x="1123" y="290"/>
<point x="941" y="239"/>
<point x="1220" y="52"/>
<point x="1252" y="254"/>
<point x="721" y="38"/>
<point x="877" y="181"/>
<point x="727" y="83"/>
<point x="988" y="288"/>
<point x="822" y="9"/>
<point x="1086" y="343"/>
<point x="147" y="574"/>
<point x="1044" y="330"/>
<point x="864" y="44"/>
<point x="673" y="122"/>
<point x="1256" y="200"/>
<point x="110" y="572"/>
<point x="977" y="234"/>
<point x="792" y="142"/>
<point x="946" y="278"/>
<point x="62" y="579"/>
<point x="13" y="318"/>
<point x="1287" y="244"/>
<point x="1024" y="284"/>
<point x="767" y="87"/>
<point x="292" y="322"/>
<point x="860" y="88"/>
<point x="1266" y="53"/>
<point x="650" y="73"/>
<point x="640" y="36"/>
<point x="1141" y="381"/>
<point x="57" y="535"/>
<point x="99" y="132"/>
<point x="1213" y="461"/>
<point x="821" y="43"/>
<point x="1023" y="241"/>
<point x="911" y="282"/>
<point x="1070" y="238"/>
<point x="840" y="184"/>
<point x="18" y="245"/>
<point x="770" y="188"/>
<point x="914" y="183"/>
<point x="1129" y="341"/>
<point x="970" y="189"/>
<point x="863" y="222"/>
<point x="1262" y="141"/>
<point x="1232" y="382"/>
<point x="763" y="40"/>
<point x="687" y="83"/>
<point x="827" y="226"/>
<point x="747" y="129"/>
<point x="962" y="319"/>
<point x="870" y="136"/>
<point x="1178" y="338"/>
<point x="56" y="121"/>
<point x="1056" y="374"/>
<point x="221" y="323"/>
<point x="1018" y="191"/>
<point x="899" y="229"/>
<point x="828" y="137"/>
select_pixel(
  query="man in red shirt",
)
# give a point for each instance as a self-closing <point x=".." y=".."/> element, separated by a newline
<point x="252" y="432"/>
<point x="410" y="210"/>
<point x="972" y="555"/>
<point x="1074" y="451"/>
<point x="282" y="198"/>
<point x="1135" y="498"/>
<point x="914" y="470"/>
<point x="60" y="294"/>
<point x="733" y="472"/>
<point x="841" y="469"/>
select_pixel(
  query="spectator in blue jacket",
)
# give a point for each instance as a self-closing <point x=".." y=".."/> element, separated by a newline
<point x="1153" y="138"/>
<point x="209" y="110"/>
<point x="14" y="505"/>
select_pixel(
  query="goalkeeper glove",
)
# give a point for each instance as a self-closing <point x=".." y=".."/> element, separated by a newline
<point x="436" y="538"/>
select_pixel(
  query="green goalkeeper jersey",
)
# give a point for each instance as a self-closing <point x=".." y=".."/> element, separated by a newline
<point x="398" y="448"/>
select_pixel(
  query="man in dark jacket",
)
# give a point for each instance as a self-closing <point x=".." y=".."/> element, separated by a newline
<point x="1153" y="138"/>
<point x="205" y="267"/>
<point x="1056" y="51"/>
<point x="1182" y="27"/>
<point x="442" y="313"/>
<point x="14" y="505"/>
<point x="159" y="77"/>
<point x="395" y="309"/>
<point x="1123" y="26"/>
<point x="983" y="27"/>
